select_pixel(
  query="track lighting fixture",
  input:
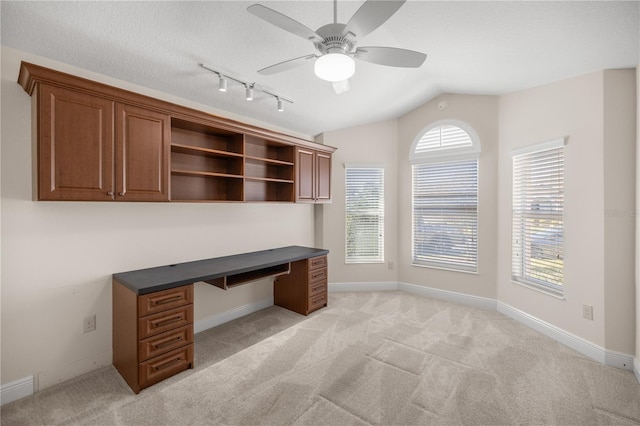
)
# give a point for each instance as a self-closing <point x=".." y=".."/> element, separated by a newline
<point x="222" y="83"/>
<point x="249" y="88"/>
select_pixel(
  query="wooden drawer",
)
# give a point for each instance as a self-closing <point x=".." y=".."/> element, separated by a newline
<point x="318" y="275"/>
<point x="164" y="321"/>
<point x="165" y="342"/>
<point x="317" y="262"/>
<point x="317" y="288"/>
<point x="317" y="302"/>
<point x="165" y="299"/>
<point x="163" y="366"/>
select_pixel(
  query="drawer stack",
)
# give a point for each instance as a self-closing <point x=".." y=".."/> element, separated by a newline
<point x="304" y="289"/>
<point x="153" y="334"/>
<point x="317" y="297"/>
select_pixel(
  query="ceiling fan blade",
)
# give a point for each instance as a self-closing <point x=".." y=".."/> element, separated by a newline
<point x="371" y="15"/>
<point x="284" y="22"/>
<point x="286" y="65"/>
<point x="341" y="86"/>
<point x="390" y="56"/>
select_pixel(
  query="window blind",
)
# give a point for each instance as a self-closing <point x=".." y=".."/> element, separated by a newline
<point x="364" y="214"/>
<point x="443" y="137"/>
<point x="445" y="215"/>
<point x="537" y="219"/>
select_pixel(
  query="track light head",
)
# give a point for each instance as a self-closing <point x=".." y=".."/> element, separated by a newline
<point x="222" y="84"/>
<point x="280" y="105"/>
<point x="248" y="92"/>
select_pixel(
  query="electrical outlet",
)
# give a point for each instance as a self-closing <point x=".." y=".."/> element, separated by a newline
<point x="587" y="312"/>
<point x="390" y="265"/>
<point x="89" y="324"/>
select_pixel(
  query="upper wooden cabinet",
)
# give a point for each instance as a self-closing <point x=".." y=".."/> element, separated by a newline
<point x="100" y="143"/>
<point x="142" y="154"/>
<point x="313" y="176"/>
<point x="82" y="156"/>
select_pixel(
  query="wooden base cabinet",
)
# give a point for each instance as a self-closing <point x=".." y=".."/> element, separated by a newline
<point x="304" y="289"/>
<point x="152" y="334"/>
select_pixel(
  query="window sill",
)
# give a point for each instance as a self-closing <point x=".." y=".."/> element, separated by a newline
<point x="442" y="268"/>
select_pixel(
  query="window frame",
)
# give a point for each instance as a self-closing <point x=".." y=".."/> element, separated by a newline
<point x="440" y="155"/>
<point x="380" y="258"/>
<point x="524" y="238"/>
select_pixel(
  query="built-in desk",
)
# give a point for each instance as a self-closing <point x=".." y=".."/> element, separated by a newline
<point x="153" y="308"/>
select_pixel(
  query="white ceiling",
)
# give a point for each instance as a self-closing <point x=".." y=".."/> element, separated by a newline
<point x="473" y="47"/>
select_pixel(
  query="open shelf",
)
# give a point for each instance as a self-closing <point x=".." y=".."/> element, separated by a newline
<point x="192" y="186"/>
<point x="205" y="152"/>
<point x="268" y="190"/>
<point x="266" y="150"/>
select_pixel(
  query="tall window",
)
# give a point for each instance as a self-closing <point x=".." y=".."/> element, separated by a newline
<point x="364" y="213"/>
<point x="445" y="198"/>
<point x="537" y="218"/>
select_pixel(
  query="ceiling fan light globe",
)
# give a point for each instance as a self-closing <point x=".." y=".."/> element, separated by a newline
<point x="334" y="67"/>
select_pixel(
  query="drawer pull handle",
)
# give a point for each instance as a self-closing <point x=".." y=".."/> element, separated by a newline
<point x="318" y="287"/>
<point x="167" y="343"/>
<point x="168" y="363"/>
<point x="167" y="300"/>
<point x="167" y="321"/>
<point x="314" y="276"/>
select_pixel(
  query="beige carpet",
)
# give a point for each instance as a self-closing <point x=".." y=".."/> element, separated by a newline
<point x="379" y="358"/>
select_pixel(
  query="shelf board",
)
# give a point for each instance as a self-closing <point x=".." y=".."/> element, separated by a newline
<point x="205" y="152"/>
<point x="269" y="160"/>
<point x="266" y="179"/>
<point x="204" y="174"/>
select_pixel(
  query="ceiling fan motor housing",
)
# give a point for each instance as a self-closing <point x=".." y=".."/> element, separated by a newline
<point x="334" y="41"/>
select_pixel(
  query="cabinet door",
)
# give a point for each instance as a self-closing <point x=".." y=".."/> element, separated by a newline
<point x="142" y="154"/>
<point x="323" y="177"/>
<point x="75" y="145"/>
<point x="305" y="171"/>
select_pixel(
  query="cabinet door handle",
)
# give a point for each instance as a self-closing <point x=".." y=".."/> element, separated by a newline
<point x="167" y="300"/>
<point x="167" y="343"/>
<point x="167" y="321"/>
<point x="110" y="193"/>
<point x="167" y="364"/>
<point x="121" y="194"/>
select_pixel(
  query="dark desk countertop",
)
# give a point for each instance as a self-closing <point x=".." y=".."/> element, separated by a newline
<point x="150" y="280"/>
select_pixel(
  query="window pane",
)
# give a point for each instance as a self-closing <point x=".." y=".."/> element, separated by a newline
<point x="364" y="215"/>
<point x="445" y="215"/>
<point x="537" y="219"/>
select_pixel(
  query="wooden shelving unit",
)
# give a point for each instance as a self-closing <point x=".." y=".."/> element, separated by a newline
<point x="151" y="150"/>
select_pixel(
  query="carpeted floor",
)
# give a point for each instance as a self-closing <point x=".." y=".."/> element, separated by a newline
<point x="378" y="358"/>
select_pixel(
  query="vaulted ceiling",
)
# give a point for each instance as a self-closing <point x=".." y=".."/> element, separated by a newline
<point x="476" y="47"/>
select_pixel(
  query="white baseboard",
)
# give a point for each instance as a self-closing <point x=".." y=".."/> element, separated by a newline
<point x="15" y="390"/>
<point x="591" y="350"/>
<point x="216" y="320"/>
<point x="636" y="368"/>
<point x="450" y="296"/>
<point x="364" y="286"/>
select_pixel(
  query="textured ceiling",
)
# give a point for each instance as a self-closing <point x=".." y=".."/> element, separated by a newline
<point x="473" y="47"/>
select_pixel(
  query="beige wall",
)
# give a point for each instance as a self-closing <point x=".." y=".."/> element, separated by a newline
<point x="58" y="257"/>
<point x="619" y="202"/>
<point x="593" y="183"/>
<point x="638" y="222"/>
<point x="374" y="143"/>
<point x="481" y="113"/>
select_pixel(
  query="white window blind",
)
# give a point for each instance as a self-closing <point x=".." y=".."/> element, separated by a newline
<point x="443" y="137"/>
<point x="364" y="214"/>
<point x="445" y="215"/>
<point x="537" y="218"/>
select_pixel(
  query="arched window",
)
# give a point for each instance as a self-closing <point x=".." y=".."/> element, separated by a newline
<point x="444" y="159"/>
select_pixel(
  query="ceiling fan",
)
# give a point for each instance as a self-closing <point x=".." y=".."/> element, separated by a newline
<point x="335" y="42"/>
